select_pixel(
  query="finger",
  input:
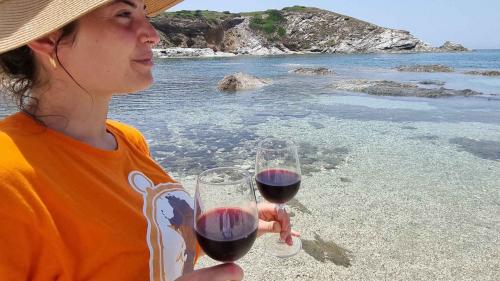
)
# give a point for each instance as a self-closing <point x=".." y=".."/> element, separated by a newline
<point x="289" y="238"/>
<point x="284" y="220"/>
<point x="273" y="227"/>
<point x="222" y="272"/>
<point x="267" y="211"/>
<point x="269" y="227"/>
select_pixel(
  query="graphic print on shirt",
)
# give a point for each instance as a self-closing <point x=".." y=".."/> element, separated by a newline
<point x="171" y="237"/>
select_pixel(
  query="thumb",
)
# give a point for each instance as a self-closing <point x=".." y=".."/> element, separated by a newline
<point x="221" y="272"/>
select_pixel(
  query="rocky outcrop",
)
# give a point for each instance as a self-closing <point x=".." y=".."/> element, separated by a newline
<point x="317" y="30"/>
<point x="392" y="88"/>
<point x="299" y="30"/>
<point x="312" y="71"/>
<point x="484" y="72"/>
<point x="241" y="81"/>
<point x="453" y="47"/>
<point x="425" y="68"/>
<point x="241" y="39"/>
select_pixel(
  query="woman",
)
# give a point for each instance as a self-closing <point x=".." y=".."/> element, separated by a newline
<point x="76" y="188"/>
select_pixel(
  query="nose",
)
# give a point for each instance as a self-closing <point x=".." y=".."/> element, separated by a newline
<point x="149" y="35"/>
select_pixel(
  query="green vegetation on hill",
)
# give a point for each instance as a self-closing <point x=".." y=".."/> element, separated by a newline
<point x="210" y="16"/>
<point x="295" y="8"/>
<point x="270" y="22"/>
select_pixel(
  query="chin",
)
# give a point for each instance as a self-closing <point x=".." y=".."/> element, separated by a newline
<point x="138" y="85"/>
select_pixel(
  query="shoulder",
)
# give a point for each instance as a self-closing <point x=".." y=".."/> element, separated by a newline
<point x="129" y="133"/>
<point x="12" y="139"/>
<point x="13" y="123"/>
<point x="17" y="177"/>
<point x="20" y="146"/>
<point x="19" y="127"/>
<point x="16" y="148"/>
<point x="125" y="129"/>
<point x="20" y="138"/>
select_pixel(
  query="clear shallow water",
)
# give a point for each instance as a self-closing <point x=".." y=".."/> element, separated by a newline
<point x="407" y="184"/>
<point x="193" y="126"/>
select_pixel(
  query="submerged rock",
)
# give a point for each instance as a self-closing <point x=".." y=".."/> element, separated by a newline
<point x="485" y="149"/>
<point x="312" y="71"/>
<point x="392" y="88"/>
<point x="425" y="68"/>
<point x="453" y="47"/>
<point x="431" y="82"/>
<point x="241" y="81"/>
<point x="484" y="72"/>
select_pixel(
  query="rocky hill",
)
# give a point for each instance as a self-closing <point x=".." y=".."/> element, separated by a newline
<point x="295" y="29"/>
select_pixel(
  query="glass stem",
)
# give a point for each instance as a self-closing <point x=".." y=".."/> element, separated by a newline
<point x="280" y="208"/>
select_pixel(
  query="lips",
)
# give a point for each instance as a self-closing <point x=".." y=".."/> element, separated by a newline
<point x="145" y="59"/>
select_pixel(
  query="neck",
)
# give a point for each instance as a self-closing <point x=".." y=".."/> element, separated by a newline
<point x="76" y="113"/>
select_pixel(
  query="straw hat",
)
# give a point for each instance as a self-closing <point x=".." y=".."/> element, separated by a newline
<point x="22" y="21"/>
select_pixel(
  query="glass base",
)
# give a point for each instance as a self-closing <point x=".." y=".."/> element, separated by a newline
<point x="281" y="249"/>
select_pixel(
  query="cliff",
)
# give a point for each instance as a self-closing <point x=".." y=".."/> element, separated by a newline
<point x="295" y="29"/>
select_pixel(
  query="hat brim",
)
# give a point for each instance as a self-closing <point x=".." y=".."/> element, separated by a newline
<point x="154" y="7"/>
<point x="22" y="23"/>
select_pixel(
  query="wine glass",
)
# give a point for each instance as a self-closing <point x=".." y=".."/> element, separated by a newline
<point x="277" y="174"/>
<point x="226" y="216"/>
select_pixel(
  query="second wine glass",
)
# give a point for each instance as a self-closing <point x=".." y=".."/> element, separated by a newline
<point x="277" y="174"/>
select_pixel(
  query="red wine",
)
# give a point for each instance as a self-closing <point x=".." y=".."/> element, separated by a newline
<point x="226" y="234"/>
<point x="278" y="185"/>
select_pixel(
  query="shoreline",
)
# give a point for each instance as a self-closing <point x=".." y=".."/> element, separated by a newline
<point x="180" y="52"/>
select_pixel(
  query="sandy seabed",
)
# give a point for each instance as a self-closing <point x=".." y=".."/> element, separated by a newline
<point x="405" y="203"/>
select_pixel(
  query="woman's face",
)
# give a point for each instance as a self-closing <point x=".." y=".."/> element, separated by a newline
<point x="112" y="49"/>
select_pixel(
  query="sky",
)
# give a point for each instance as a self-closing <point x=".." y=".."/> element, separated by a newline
<point x="474" y="24"/>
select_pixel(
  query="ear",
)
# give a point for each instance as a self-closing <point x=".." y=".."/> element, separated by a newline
<point x="46" y="45"/>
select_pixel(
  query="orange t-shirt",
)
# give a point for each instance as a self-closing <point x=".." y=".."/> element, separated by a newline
<point x="70" y="211"/>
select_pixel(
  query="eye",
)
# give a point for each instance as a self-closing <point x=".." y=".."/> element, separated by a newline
<point x="124" y="14"/>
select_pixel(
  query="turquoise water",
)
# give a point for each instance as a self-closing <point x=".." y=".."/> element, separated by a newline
<point x="406" y="186"/>
<point x="189" y="122"/>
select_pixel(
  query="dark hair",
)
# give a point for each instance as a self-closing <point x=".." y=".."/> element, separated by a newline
<point x="18" y="72"/>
